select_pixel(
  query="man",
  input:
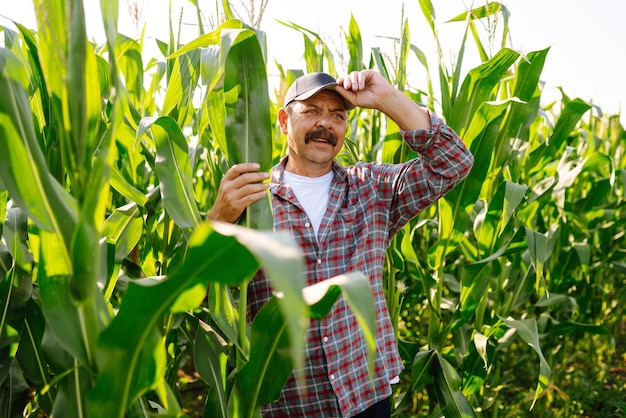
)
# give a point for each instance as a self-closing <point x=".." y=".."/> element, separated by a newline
<point x="344" y="219"/>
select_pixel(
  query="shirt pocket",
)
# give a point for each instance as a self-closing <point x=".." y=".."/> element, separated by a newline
<point x="348" y="214"/>
<point x="349" y="227"/>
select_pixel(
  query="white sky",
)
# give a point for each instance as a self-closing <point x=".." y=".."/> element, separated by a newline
<point x="587" y="39"/>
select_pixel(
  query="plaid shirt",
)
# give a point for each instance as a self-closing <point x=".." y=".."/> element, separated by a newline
<point x="368" y="204"/>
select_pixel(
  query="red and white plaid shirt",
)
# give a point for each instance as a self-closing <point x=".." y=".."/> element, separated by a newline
<point x="368" y="204"/>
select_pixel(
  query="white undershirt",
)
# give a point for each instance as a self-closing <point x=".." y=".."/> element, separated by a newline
<point x="312" y="193"/>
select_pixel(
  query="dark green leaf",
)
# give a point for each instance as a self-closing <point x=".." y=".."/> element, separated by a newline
<point x="174" y="170"/>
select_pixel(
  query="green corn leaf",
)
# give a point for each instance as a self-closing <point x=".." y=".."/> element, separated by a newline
<point x="527" y="81"/>
<point x="356" y="290"/>
<point x="180" y="87"/>
<point x="456" y="205"/>
<point x="567" y="173"/>
<point x="248" y="125"/>
<point x="123" y="344"/>
<point x="31" y="357"/>
<point x="261" y="380"/>
<point x="447" y="94"/>
<point x="393" y="145"/>
<point x="540" y="249"/>
<point x="514" y="195"/>
<point x="421" y="56"/>
<point x="456" y="78"/>
<point x="474" y="283"/>
<point x="284" y="267"/>
<point x="131" y="66"/>
<point x="213" y="112"/>
<point x="527" y="330"/>
<point x="479" y="87"/>
<point x="238" y="84"/>
<point x="224" y="312"/>
<point x="355" y="46"/>
<point x="15" y="236"/>
<point x="110" y="14"/>
<point x="123" y="228"/>
<point x="429" y="13"/>
<point x="313" y="59"/>
<point x="448" y="388"/>
<point x="475" y="280"/>
<point x="216" y="112"/>
<point x="210" y="359"/>
<point x="126" y="189"/>
<point x="248" y="133"/>
<point x="23" y="170"/>
<point x="476" y="363"/>
<point x="78" y="102"/>
<point x="403" y="56"/>
<point x="420" y="372"/>
<point x="568" y="118"/>
<point x="52" y="40"/>
<point x="443" y="383"/>
<point x="62" y="313"/>
<point x="174" y="170"/>
<point x="379" y="62"/>
<point x="568" y="327"/>
<point x="490" y="9"/>
<point x="211" y="38"/>
<point x="14" y="293"/>
<point x="484" y="56"/>
<point x="84" y="252"/>
<point x="129" y="343"/>
<point x="72" y="390"/>
<point x="495" y="227"/>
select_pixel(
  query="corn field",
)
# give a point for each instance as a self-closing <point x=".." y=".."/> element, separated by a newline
<point x="119" y="299"/>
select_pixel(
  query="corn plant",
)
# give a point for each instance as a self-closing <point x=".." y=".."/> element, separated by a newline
<point x="111" y="280"/>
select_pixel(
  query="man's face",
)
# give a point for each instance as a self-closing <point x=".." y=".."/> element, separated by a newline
<point x="315" y="130"/>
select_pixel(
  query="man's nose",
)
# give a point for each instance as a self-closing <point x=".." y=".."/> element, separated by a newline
<point x="324" y="120"/>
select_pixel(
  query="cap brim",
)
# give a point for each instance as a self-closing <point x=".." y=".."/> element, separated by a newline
<point x="330" y="86"/>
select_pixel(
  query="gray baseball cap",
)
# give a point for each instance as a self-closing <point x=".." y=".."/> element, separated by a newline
<point x="309" y="85"/>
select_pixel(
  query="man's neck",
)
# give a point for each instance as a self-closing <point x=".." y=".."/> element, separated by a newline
<point x="310" y="170"/>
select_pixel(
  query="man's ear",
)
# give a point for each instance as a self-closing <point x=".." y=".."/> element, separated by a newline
<point x="282" y="119"/>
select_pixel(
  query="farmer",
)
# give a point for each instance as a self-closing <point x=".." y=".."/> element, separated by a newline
<point x="344" y="219"/>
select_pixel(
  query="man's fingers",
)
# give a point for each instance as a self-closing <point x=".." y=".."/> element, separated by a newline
<point x="250" y="198"/>
<point x="240" y="175"/>
<point x="250" y="189"/>
<point x="355" y="81"/>
<point x="239" y="169"/>
<point x="247" y="183"/>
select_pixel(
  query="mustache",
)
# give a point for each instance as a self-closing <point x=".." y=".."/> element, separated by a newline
<point x="320" y="133"/>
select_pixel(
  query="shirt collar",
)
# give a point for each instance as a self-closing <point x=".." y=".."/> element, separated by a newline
<point x="279" y="169"/>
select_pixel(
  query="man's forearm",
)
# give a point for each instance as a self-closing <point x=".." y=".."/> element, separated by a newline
<point x="407" y="114"/>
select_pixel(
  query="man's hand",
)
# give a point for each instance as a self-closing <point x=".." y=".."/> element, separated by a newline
<point x="369" y="89"/>
<point x="240" y="187"/>
<point x="365" y="88"/>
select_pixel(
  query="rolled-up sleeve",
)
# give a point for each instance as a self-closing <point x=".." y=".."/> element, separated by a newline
<point x="443" y="162"/>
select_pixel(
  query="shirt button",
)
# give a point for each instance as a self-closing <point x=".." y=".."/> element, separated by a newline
<point x="319" y="261"/>
<point x="325" y="339"/>
<point x="308" y="225"/>
<point x="332" y="377"/>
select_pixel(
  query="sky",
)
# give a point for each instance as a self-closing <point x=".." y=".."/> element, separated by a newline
<point x="586" y="39"/>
